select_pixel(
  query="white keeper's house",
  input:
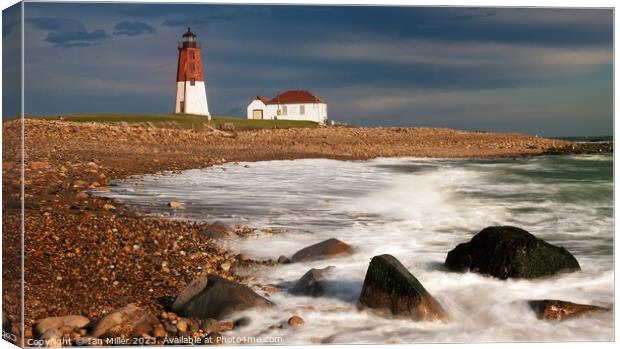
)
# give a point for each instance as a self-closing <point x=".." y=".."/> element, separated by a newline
<point x="289" y="105"/>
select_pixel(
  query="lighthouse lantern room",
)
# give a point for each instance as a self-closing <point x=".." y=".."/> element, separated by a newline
<point x="191" y="96"/>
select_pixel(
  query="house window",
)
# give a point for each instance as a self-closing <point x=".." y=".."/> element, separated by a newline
<point x="192" y="67"/>
<point x="192" y="54"/>
<point x="302" y="110"/>
<point x="284" y="110"/>
<point x="193" y="82"/>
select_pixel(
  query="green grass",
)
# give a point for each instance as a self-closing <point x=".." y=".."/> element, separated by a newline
<point x="186" y="121"/>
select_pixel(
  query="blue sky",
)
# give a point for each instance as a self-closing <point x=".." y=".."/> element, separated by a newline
<point x="544" y="71"/>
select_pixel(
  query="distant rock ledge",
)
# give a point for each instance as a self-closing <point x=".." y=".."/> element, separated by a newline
<point x="582" y="148"/>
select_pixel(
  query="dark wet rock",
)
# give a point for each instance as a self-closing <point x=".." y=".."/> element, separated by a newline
<point x="312" y="283"/>
<point x="240" y="322"/>
<point x="212" y="296"/>
<point x="390" y="287"/>
<point x="60" y="322"/>
<point x="129" y="320"/>
<point x="510" y="252"/>
<point x="548" y="309"/>
<point x="283" y="260"/>
<point x="218" y="231"/>
<point x="324" y="249"/>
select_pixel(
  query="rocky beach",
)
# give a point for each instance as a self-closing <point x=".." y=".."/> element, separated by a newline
<point x="94" y="268"/>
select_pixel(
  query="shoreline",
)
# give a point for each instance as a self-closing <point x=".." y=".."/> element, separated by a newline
<point x="68" y="229"/>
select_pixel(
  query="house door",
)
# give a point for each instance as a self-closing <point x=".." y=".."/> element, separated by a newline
<point x="182" y="106"/>
<point x="257" y="114"/>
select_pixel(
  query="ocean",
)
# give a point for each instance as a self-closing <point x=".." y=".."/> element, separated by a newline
<point x="416" y="209"/>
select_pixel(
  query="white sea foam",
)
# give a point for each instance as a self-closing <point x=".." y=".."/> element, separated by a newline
<point x="416" y="210"/>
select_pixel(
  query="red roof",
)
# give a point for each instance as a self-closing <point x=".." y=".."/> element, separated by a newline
<point x="264" y="99"/>
<point x="295" y="96"/>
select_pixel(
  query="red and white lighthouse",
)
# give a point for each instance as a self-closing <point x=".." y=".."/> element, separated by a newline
<point x="191" y="97"/>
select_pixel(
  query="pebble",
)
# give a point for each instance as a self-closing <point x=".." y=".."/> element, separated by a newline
<point x="283" y="260"/>
<point x="182" y="325"/>
<point x="210" y="325"/>
<point x="170" y="328"/>
<point x="226" y="326"/>
<point x="81" y="196"/>
<point x="175" y="205"/>
<point x="295" y="321"/>
<point x="159" y="331"/>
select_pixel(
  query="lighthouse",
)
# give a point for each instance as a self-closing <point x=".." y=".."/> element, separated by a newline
<point x="191" y="97"/>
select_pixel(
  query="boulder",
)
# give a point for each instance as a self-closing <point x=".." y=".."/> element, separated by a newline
<point x="390" y="288"/>
<point x="312" y="283"/>
<point x="322" y="250"/>
<point x="560" y="310"/>
<point x="59" y="322"/>
<point x="127" y="321"/>
<point x="212" y="296"/>
<point x="218" y="231"/>
<point x="510" y="252"/>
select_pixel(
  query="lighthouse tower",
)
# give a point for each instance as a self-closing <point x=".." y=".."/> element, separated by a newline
<point x="191" y="95"/>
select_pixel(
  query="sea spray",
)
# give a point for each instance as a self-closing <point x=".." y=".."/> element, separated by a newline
<point x="416" y="210"/>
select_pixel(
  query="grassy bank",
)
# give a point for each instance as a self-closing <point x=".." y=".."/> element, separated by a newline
<point x="187" y="121"/>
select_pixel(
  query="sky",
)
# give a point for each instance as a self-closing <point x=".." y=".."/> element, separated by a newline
<point x="546" y="71"/>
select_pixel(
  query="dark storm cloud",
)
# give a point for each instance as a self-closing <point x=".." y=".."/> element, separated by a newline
<point x="67" y="32"/>
<point x="133" y="28"/>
